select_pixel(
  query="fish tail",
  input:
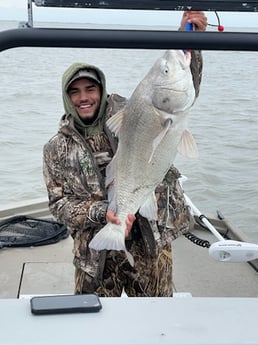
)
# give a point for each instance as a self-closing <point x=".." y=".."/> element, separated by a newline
<point x="109" y="237"/>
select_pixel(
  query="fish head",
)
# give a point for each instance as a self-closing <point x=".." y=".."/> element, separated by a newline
<point x="170" y="82"/>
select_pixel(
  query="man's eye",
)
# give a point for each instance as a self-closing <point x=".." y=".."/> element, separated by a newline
<point x="91" y="88"/>
<point x="72" y="92"/>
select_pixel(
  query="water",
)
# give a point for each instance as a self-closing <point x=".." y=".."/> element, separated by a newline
<point x="224" y="121"/>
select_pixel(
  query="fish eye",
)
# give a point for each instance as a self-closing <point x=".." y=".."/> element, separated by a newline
<point x="165" y="70"/>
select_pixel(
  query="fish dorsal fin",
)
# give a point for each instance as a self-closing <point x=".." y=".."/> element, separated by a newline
<point x="187" y="145"/>
<point x="114" y="122"/>
<point x="149" y="209"/>
<point x="160" y="137"/>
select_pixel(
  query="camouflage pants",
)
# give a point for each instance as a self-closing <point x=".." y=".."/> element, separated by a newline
<point x="150" y="276"/>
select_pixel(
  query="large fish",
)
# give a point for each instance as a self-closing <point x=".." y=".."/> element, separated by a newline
<point x="151" y="129"/>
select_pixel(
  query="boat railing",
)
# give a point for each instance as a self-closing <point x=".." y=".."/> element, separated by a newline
<point x="127" y="39"/>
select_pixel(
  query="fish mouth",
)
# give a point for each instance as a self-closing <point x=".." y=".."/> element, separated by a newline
<point x="172" y="90"/>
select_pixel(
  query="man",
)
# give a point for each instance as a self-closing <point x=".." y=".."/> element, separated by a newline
<point x="74" y="170"/>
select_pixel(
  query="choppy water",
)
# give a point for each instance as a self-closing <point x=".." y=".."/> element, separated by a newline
<point x="224" y="121"/>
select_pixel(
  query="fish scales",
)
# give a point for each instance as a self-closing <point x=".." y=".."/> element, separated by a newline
<point x="151" y="129"/>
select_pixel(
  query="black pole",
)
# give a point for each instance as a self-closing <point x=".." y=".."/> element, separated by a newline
<point x="157" y="5"/>
<point x="128" y="39"/>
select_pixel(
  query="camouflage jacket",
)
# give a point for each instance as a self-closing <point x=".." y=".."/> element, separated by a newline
<point x="73" y="169"/>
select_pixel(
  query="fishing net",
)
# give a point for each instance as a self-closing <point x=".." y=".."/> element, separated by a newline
<point x="24" y="231"/>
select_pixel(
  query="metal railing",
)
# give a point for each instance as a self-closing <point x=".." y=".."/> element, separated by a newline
<point x="127" y="39"/>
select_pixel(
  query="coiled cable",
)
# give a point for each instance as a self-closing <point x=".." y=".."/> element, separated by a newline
<point x="196" y="240"/>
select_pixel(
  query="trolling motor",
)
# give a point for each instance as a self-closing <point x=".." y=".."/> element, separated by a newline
<point x="233" y="251"/>
<point x="224" y="250"/>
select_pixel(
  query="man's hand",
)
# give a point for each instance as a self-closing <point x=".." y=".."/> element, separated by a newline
<point x="197" y="18"/>
<point x="111" y="218"/>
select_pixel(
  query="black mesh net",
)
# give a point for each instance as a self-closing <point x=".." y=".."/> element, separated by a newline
<point x="24" y="231"/>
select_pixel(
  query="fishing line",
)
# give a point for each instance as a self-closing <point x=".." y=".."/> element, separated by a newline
<point x="190" y="27"/>
<point x="218" y="26"/>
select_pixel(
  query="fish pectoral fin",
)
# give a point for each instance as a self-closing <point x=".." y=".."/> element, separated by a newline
<point x="114" y="122"/>
<point x="149" y="209"/>
<point x="187" y="145"/>
<point x="159" y="138"/>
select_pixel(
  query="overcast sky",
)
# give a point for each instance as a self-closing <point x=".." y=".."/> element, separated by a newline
<point x="17" y="10"/>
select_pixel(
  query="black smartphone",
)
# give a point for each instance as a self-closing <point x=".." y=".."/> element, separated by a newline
<point x="59" y="304"/>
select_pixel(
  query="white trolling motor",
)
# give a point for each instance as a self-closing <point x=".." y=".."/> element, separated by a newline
<point x="224" y="250"/>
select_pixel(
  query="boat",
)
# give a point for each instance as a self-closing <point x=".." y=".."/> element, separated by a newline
<point x="215" y="302"/>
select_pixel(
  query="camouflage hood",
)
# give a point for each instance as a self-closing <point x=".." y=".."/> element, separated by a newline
<point x="97" y="125"/>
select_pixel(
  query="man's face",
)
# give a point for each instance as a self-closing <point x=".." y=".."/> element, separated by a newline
<point x="85" y="95"/>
